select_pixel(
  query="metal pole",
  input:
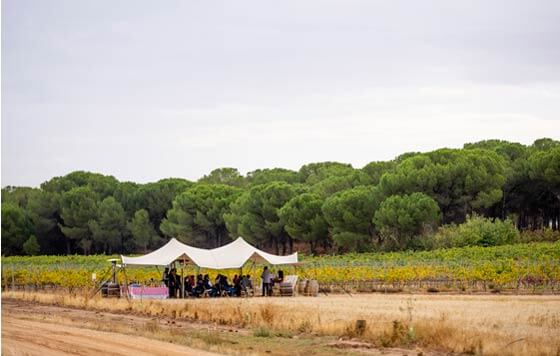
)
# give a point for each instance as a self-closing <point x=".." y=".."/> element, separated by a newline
<point x="125" y="283"/>
<point x="183" y="279"/>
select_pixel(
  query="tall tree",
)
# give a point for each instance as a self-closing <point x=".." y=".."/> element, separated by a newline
<point x="262" y="176"/>
<point x="313" y="173"/>
<point x="197" y="216"/>
<point x="331" y="185"/>
<point x="461" y="181"/>
<point x="304" y="219"/>
<point x="226" y="175"/>
<point x="127" y="195"/>
<point x="157" y="198"/>
<point x="349" y="214"/>
<point x="16" y="229"/>
<point x="100" y="184"/>
<point x="375" y="170"/>
<point x="79" y="206"/>
<point x="19" y="196"/>
<point x="142" y="230"/>
<point x="255" y="215"/>
<point x="108" y="227"/>
<point x="404" y="220"/>
<point x="545" y="144"/>
<point x="45" y="211"/>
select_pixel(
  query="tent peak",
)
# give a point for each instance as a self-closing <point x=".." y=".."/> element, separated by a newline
<point x="231" y="255"/>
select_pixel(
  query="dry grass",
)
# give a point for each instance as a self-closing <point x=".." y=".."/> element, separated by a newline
<point x="490" y="325"/>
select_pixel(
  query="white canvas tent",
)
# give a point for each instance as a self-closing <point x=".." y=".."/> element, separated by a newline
<point x="232" y="255"/>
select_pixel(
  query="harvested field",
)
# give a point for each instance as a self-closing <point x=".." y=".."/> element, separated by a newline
<point x="397" y="323"/>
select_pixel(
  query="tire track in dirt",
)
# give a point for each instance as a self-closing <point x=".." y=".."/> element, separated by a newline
<point x="25" y="337"/>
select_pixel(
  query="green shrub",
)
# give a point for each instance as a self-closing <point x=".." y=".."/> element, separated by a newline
<point x="545" y="235"/>
<point x="261" y="332"/>
<point x="31" y="246"/>
<point x="476" y="231"/>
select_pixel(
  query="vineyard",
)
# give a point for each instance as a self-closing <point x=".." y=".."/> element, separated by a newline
<point x="531" y="267"/>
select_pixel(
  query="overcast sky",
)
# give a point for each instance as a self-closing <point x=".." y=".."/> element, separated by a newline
<point x="144" y="90"/>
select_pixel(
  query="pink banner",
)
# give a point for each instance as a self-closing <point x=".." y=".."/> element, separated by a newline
<point x="138" y="292"/>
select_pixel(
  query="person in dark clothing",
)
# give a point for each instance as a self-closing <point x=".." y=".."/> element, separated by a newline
<point x="199" y="289"/>
<point x="206" y="282"/>
<point x="217" y="288"/>
<point x="223" y="286"/>
<point x="179" y="285"/>
<point x="237" y="285"/>
<point x="172" y="283"/>
<point x="188" y="286"/>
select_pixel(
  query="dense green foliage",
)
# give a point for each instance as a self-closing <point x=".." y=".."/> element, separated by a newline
<point x="142" y="231"/>
<point x="416" y="201"/>
<point x="304" y="219"/>
<point x="197" y="215"/>
<point x="404" y="220"/>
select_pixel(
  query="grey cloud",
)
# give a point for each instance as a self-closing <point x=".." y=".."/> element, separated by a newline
<point x="144" y="90"/>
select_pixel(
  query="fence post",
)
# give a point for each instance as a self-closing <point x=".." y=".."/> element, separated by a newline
<point x="13" y="279"/>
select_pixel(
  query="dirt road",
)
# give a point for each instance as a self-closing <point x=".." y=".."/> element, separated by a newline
<point x="37" y="329"/>
<point x="34" y="337"/>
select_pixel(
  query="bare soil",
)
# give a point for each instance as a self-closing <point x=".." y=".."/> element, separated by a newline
<point x="33" y="330"/>
<point x="36" y="329"/>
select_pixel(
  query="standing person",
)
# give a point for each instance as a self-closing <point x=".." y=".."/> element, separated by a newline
<point x="172" y="283"/>
<point x="266" y="278"/>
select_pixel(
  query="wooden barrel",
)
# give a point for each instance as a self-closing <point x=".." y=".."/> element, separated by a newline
<point x="302" y="286"/>
<point x="286" y="289"/>
<point x="113" y="290"/>
<point x="312" y="289"/>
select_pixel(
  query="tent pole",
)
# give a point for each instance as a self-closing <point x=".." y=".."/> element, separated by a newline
<point x="125" y="282"/>
<point x="182" y="284"/>
<point x="183" y="279"/>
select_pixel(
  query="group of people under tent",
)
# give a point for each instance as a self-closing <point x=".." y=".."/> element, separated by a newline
<point x="203" y="286"/>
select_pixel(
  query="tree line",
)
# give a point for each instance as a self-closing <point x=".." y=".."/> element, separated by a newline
<point x="328" y="206"/>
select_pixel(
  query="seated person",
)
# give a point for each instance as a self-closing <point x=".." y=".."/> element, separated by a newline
<point x="246" y="284"/>
<point x="225" y="286"/>
<point x="207" y="283"/>
<point x="280" y="277"/>
<point x="199" y="288"/>
<point x="189" y="285"/>
<point x="215" y="290"/>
